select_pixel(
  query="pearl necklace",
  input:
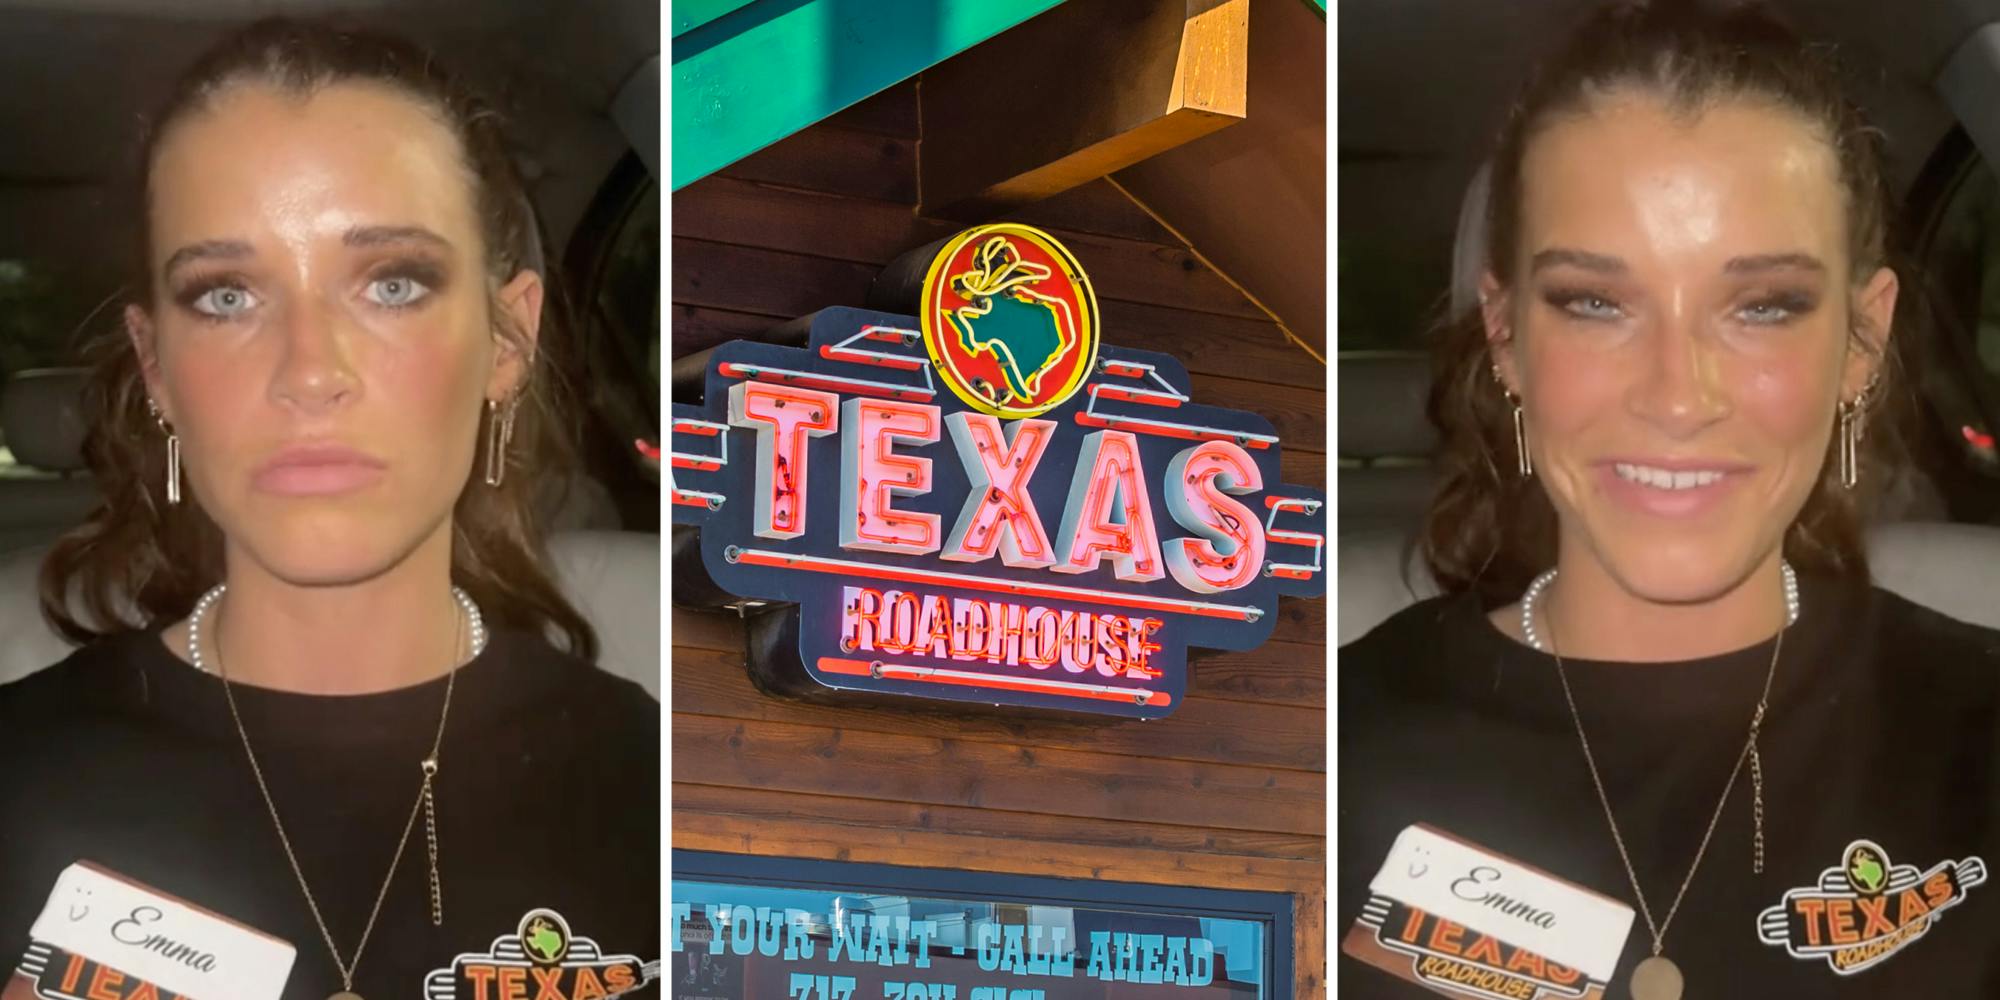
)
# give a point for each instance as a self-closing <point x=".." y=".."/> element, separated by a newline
<point x="1542" y="582"/>
<point x="475" y="624"/>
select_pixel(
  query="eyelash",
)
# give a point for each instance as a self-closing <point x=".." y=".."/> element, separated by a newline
<point x="1791" y="306"/>
<point x="1567" y="301"/>
<point x="421" y="272"/>
<point x="188" y="294"/>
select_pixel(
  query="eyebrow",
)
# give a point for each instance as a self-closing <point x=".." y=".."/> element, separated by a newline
<point x="1558" y="256"/>
<point x="369" y="236"/>
<point x="359" y="236"/>
<point x="1606" y="264"/>
<point x="207" y="250"/>
<point x="1772" y="262"/>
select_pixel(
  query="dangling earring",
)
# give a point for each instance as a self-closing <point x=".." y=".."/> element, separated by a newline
<point x="499" y="433"/>
<point x="1851" y="414"/>
<point x="1527" y="462"/>
<point x="1523" y="462"/>
<point x="1850" y="440"/>
<point x="173" y="453"/>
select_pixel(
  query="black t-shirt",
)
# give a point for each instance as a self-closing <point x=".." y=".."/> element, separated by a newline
<point x="1882" y="728"/>
<point x="547" y="798"/>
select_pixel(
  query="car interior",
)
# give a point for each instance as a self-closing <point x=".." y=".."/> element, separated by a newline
<point x="579" y="85"/>
<point x="1422" y="90"/>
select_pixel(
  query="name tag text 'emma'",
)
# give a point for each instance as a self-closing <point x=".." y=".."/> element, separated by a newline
<point x="1498" y="896"/>
<point x="146" y="935"/>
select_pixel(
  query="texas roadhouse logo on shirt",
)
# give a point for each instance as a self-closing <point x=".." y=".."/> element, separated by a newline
<point x="540" y="959"/>
<point x="1866" y="910"/>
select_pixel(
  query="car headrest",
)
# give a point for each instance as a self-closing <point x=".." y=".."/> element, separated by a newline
<point x="612" y="577"/>
<point x="1382" y="396"/>
<point x="1468" y="251"/>
<point x="1947" y="567"/>
<point x="41" y="414"/>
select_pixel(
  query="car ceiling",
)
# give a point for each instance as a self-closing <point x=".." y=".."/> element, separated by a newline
<point x="1422" y="86"/>
<point x="77" y="75"/>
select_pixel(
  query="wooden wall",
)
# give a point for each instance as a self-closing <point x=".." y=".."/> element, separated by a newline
<point x="1228" y="792"/>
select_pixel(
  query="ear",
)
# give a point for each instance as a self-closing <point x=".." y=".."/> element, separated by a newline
<point x="1874" y="314"/>
<point x="145" y="345"/>
<point x="1497" y="316"/>
<point x="521" y="300"/>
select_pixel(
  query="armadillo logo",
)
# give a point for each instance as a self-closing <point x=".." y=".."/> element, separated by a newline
<point x="540" y="959"/>
<point x="1009" y="320"/>
<point x="1866" y="910"/>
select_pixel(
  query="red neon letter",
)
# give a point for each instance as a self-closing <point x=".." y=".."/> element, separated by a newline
<point x="872" y="475"/>
<point x="784" y="417"/>
<point x="1109" y="512"/>
<point x="998" y="514"/>
<point x="1230" y="550"/>
<point x="860" y="618"/>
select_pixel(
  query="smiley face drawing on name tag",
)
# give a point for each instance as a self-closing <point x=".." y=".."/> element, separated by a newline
<point x="1866" y="909"/>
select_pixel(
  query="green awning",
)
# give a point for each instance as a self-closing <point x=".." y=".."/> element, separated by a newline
<point x="747" y="73"/>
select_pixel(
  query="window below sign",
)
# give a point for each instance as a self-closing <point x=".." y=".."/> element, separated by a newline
<point x="743" y="928"/>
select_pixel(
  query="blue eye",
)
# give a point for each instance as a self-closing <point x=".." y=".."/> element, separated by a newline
<point x="396" y="291"/>
<point x="224" y="302"/>
<point x="1775" y="311"/>
<point x="1585" y="305"/>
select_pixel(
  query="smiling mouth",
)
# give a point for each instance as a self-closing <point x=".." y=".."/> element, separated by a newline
<point x="1667" y="479"/>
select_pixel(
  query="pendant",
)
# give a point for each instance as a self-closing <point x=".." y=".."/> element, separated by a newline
<point x="1656" y="978"/>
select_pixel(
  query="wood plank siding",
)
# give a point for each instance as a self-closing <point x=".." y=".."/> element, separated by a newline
<point x="1228" y="792"/>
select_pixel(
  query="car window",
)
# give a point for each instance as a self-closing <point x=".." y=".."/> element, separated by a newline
<point x="613" y="268"/>
<point x="1958" y="278"/>
<point x="1968" y="252"/>
<point x="40" y="311"/>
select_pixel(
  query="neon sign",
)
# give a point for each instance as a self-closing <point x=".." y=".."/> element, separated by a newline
<point x="928" y="548"/>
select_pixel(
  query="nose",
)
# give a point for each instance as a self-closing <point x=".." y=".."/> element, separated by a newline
<point x="1680" y="390"/>
<point x="315" y="371"/>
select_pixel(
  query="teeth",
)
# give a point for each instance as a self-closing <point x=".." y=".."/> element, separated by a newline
<point x="1666" y="479"/>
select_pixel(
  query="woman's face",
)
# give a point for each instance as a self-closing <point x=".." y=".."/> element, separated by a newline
<point x="1678" y="328"/>
<point x="320" y="334"/>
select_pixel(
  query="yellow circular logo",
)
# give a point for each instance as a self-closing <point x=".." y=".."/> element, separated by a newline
<point x="1009" y="320"/>
<point x="544" y="936"/>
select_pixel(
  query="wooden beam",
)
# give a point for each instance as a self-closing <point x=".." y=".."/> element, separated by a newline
<point x="1086" y="89"/>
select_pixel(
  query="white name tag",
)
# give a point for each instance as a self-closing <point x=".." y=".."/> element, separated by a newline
<point x="1497" y="896"/>
<point x="143" y="934"/>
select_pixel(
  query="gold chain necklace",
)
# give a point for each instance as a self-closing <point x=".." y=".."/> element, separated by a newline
<point x="426" y="799"/>
<point x="1658" y="978"/>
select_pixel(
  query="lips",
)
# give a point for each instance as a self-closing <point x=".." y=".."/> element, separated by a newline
<point x="318" y="470"/>
<point x="1670" y="487"/>
<point x="1666" y="479"/>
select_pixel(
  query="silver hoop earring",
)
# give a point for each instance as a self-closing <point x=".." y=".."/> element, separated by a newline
<point x="499" y="434"/>
<point x="173" y="454"/>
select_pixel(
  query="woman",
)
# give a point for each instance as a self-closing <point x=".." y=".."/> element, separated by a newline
<point x="314" y="695"/>
<point x="1659" y="673"/>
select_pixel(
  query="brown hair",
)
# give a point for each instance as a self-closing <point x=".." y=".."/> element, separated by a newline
<point x="1490" y="530"/>
<point x="137" y="557"/>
